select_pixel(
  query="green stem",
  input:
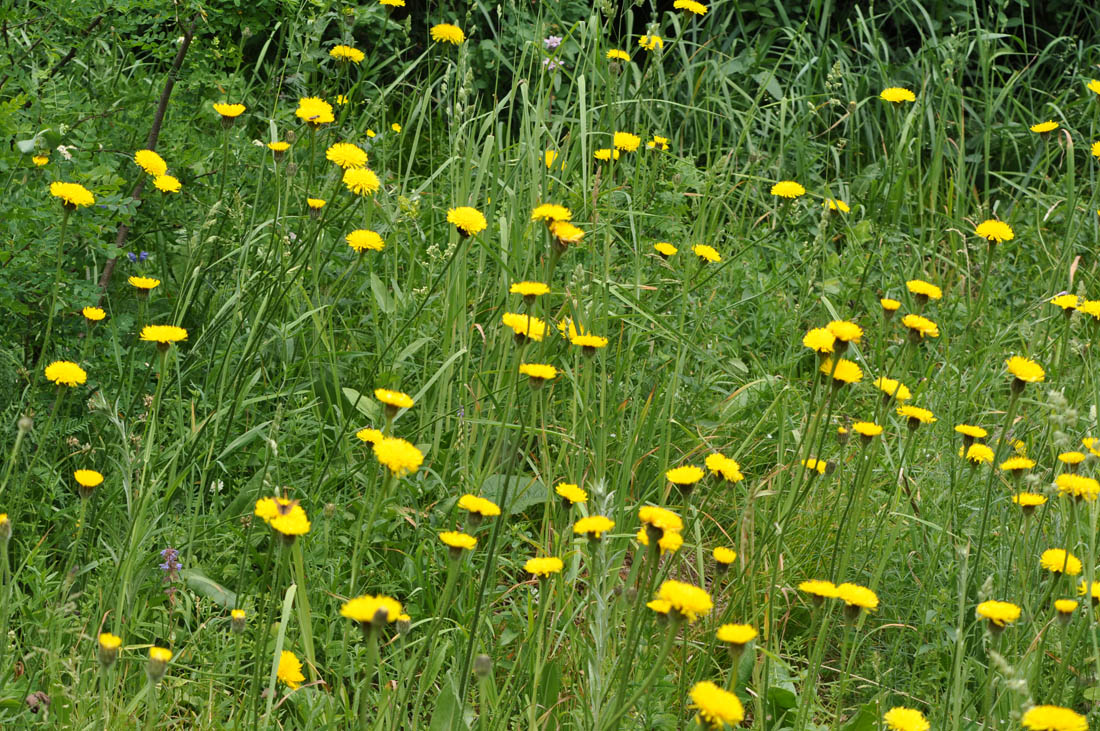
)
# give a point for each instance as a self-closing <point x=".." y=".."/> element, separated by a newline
<point x="54" y="288"/>
<point x="612" y="721"/>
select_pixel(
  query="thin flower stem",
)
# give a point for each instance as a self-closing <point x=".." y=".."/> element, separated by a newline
<point x="364" y="528"/>
<point x="809" y="686"/>
<point x="612" y="721"/>
<point x="1010" y="414"/>
<point x="53" y="289"/>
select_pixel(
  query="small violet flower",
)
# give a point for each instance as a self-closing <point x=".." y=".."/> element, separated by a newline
<point x="552" y="42"/>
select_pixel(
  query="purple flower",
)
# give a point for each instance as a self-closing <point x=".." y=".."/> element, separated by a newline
<point x="552" y="42"/>
<point x="550" y="64"/>
<point x="171" y="565"/>
<point x="137" y="257"/>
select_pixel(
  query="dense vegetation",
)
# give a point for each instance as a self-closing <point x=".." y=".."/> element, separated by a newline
<point x="542" y="365"/>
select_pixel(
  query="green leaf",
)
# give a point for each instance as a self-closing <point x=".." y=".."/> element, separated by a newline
<point x="206" y="587"/>
<point x="524" y="493"/>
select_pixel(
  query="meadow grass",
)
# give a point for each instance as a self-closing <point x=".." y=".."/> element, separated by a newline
<point x="275" y="543"/>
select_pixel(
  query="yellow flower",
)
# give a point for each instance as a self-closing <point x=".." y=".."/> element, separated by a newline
<point x="109" y="641"/>
<point x="913" y="413"/>
<point x="787" y="189"/>
<point x="400" y="456"/>
<point x="1087" y="442"/>
<point x="65" y="373"/>
<point x="88" y="478"/>
<point x="392" y="3"/>
<point x="626" y="141"/>
<point x="706" y="253"/>
<point x="369" y="609"/>
<point x="1058" y="561"/>
<point x="969" y="430"/>
<point x="721" y="465"/>
<point x="889" y="305"/>
<point x="93" y="314"/>
<point x="897" y="95"/>
<point x="660" y="606"/>
<point x="551" y="212"/>
<point x="278" y="146"/>
<point x="543" y="567"/>
<point x="1028" y="499"/>
<point x="1065" y="606"/>
<point x="369" y="436"/>
<point x="538" y="371"/>
<point x="606" y="153"/>
<point x="1093" y="86"/>
<point x="284" y="516"/>
<point x="845" y="371"/>
<point x="290" y="670"/>
<point x="893" y="387"/>
<point x="447" y="33"/>
<point x="1053" y="718"/>
<point x="525" y="326"/>
<point x="315" y="204"/>
<point x="1065" y="301"/>
<point x="691" y="6"/>
<point x="1094" y="592"/>
<point x="549" y="157"/>
<point x="717" y="707"/>
<point x="866" y="429"/>
<point x="1027" y="371"/>
<point x="361" y="181"/>
<point x="40" y="160"/>
<point x="848" y="332"/>
<point x="1078" y="486"/>
<point x="1014" y="464"/>
<point x="857" y="596"/>
<point x="617" y="55"/>
<point x="1071" y="458"/>
<point x="455" y="539"/>
<point x="819" y="339"/>
<point x="229" y="111"/>
<point x="736" y="634"/>
<point x="160" y="654"/>
<point x="529" y="289"/>
<point x="835" y="204"/>
<point x="593" y="526"/>
<point x="72" y="195"/>
<point x="690" y="601"/>
<point x="362" y="240"/>
<point x="396" y="127"/>
<point x="166" y="184"/>
<point x="669" y="542"/>
<point x="685" y="475"/>
<point x="979" y="453"/>
<point x="347" y="53"/>
<point x="901" y="718"/>
<point x="924" y="289"/>
<point x="994" y="231"/>
<point x="920" y="326"/>
<point x="999" y="613"/>
<point x="651" y="42"/>
<point x="144" y="283"/>
<point x="658" y="143"/>
<point x="346" y="155"/>
<point x="163" y="334"/>
<point x="150" y="162"/>
<point x="724" y="556"/>
<point x="565" y="232"/>
<point x="1042" y="127"/>
<point x="467" y="220"/>
<point x="571" y="493"/>
<point x="818" y="465"/>
<point x="314" y="111"/>
<point x="481" y="506"/>
<point x="660" y="518"/>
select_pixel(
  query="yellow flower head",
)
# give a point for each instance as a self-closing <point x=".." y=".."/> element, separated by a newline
<point x="41" y="160"/>
<point x="848" y="332"/>
<point x="88" y="478"/>
<point x="150" y="162"/>
<point x="346" y="155"/>
<point x="160" y="654"/>
<point x="893" y="387"/>
<point x="66" y="373"/>
<point x="737" y="634"/>
<point x="690" y="6"/>
<point x="1043" y="127"/>
<point x="1017" y="464"/>
<point x="1053" y="718"/>
<point x="538" y="371"/>
<point x="593" y="526"/>
<point x="618" y="55"/>
<point x="524" y="325"/>
<point x="565" y="232"/>
<point x="660" y="518"/>
<point x="817" y="465"/>
<point x="819" y="588"/>
<point x="921" y="288"/>
<point x="1059" y="561"/>
<point x="284" y="516"/>
<point x="1071" y="458"/>
<point x="1065" y="606"/>
<point x="1066" y="301"/>
<point x="625" y="141"/>
<point x="685" y="475"/>
<point x="717" y="707"/>
<point x="481" y="506"/>
<point x="570" y="492"/>
<point x="901" y="718"/>
<point x="969" y="430"/>
<point x="1028" y="499"/>
<point x="1088" y="443"/>
<point x="369" y="436"/>
<point x="889" y="305"/>
<point x="721" y="465"/>
<point x="397" y="399"/>
<point x="1078" y="486"/>
<point x="819" y="339"/>
<point x="314" y="111"/>
<point x="315" y="204"/>
<point x="278" y="146"/>
<point x="163" y="334"/>
<point x="447" y="33"/>
<point x="455" y="539"/>
<point x="144" y="283"/>
<point x="706" y="253"/>
<point x="529" y="289"/>
<point x="1025" y="370"/>
<point x="999" y="613"/>
<point x="690" y="601"/>
<point x="788" y="189"/>
<point x="400" y="456"/>
<point x="867" y="429"/>
<point x="995" y="231"/>
<point x="290" y="670"/>
<point x="347" y="53"/>
<point x="724" y="556"/>
<point x="845" y="371"/>
<point x="669" y="542"/>
<point x="167" y="184"/>
<point x="543" y="567"/>
<point x="836" y="205"/>
<point x="979" y="453"/>
<point x="658" y="143"/>
<point x="109" y="641"/>
<point x="370" y="609"/>
<point x="229" y="111"/>
<point x="72" y="195"/>
<point x="468" y="220"/>
<point x="913" y="413"/>
<point x="551" y="212"/>
<point x="897" y="95"/>
<point x="1093" y="86"/>
<point x="855" y="595"/>
<point x="921" y="326"/>
<point x="361" y="181"/>
<point x="651" y="42"/>
<point x="362" y="240"/>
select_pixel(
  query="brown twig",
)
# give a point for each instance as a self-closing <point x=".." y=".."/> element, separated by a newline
<point x="150" y="144"/>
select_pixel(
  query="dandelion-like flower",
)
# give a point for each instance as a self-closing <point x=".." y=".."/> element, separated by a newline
<point x="856" y="597"/>
<point x="684" y="476"/>
<point x="916" y="415"/>
<point x="706" y="253"/>
<point x="88" y="478"/>
<point x="1065" y="607"/>
<point x="347" y="54"/>
<point x="469" y="221"/>
<point x="163" y="335"/>
<point x="1024" y="370"/>
<point x="690" y="6"/>
<point x="362" y="240"/>
<point x="529" y="289"/>
<point x="1044" y="127"/>
<point x="66" y="373"/>
<point x="42" y="160"/>
<point x="626" y="141"/>
<point x="994" y="231"/>
<point x="314" y="111"/>
<point x="616" y="54"/>
<point x="458" y="541"/>
<point x="737" y="634"/>
<point x="658" y="143"/>
<point x="1060" y="561"/>
<point x="606" y="154"/>
<point x="819" y="340"/>
<point x="651" y="42"/>
<point x="370" y="610"/>
<point x="346" y="155"/>
<point x="688" y="600"/>
<point x="845" y="371"/>
<point x="478" y="506"/>
<point x="788" y="189"/>
<point x="539" y="373"/>
<point x="893" y="388"/>
<point x="1053" y="718"/>
<point x="845" y="331"/>
<point x="143" y="284"/>
<point x="669" y="542"/>
<point x="889" y="306"/>
<point x="716" y="706"/>
<point x="1077" y="486"/>
<point x="836" y="205"/>
<point x="399" y="456"/>
<point x="543" y="567"/>
<point x="290" y="670"/>
<point x="361" y="181"/>
<point x="901" y="718"/>
<point x="593" y="526"/>
<point x="524" y="326"/>
<point x="447" y="33"/>
<point x="571" y="493"/>
<point x="978" y="453"/>
<point x="167" y="184"/>
<point x="819" y="466"/>
<point x="1017" y="464"/>
<point x="897" y="95"/>
<point x="550" y="212"/>
<point x="661" y="519"/>
<point x="726" y="468"/>
<point x="923" y="290"/>
<point x="920" y="327"/>
<point x="150" y="162"/>
<point x="229" y="111"/>
<point x="998" y="613"/>
<point x="564" y="232"/>
<point x="723" y="556"/>
<point x="72" y="195"/>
